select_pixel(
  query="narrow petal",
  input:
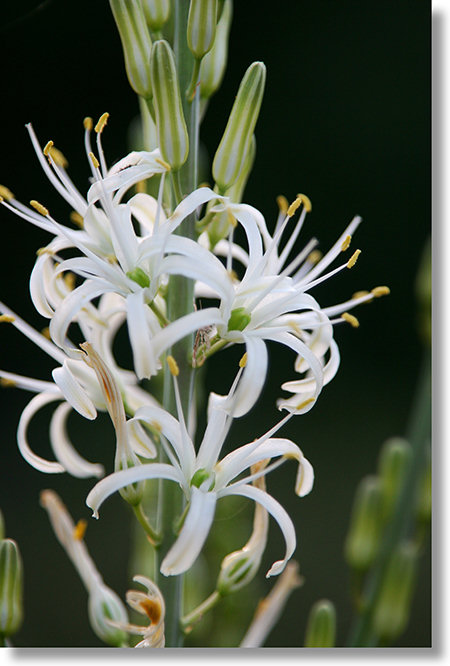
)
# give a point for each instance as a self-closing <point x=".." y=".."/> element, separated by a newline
<point x="192" y="537"/>
<point x="75" y="395"/>
<point x="30" y="410"/>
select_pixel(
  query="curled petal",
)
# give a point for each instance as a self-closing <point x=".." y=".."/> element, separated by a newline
<point x="75" y="395"/>
<point x="30" y="410"/>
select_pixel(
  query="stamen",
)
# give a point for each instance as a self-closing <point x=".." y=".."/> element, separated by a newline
<point x="140" y="187"/>
<point x="346" y="244"/>
<point x="360" y="294"/>
<point x="48" y="146"/>
<point x="351" y="319"/>
<point x="283" y="204"/>
<point x="57" y="157"/>
<point x="5" y="193"/>
<point x="353" y="259"/>
<point x="305" y="403"/>
<point x="163" y="163"/>
<point x="77" y="219"/>
<point x="173" y="366"/>
<point x="231" y="219"/>
<point x="380" y="291"/>
<point x="294" y="206"/>
<point x="39" y="207"/>
<point x="46" y="333"/>
<point x="306" y="201"/>
<point x="88" y="123"/>
<point x="94" y="160"/>
<point x="80" y="530"/>
<point x="6" y="319"/>
<point x="314" y="257"/>
<point x="5" y="382"/>
<point x="101" y="123"/>
<point x="243" y="361"/>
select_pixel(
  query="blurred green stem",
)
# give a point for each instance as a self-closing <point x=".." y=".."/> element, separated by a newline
<point x="418" y="435"/>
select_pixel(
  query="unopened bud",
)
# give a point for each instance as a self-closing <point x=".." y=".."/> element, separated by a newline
<point x="214" y="62"/>
<point x="104" y="605"/>
<point x="11" y="588"/>
<point x="156" y="13"/>
<point x="392" y="610"/>
<point x="321" y="627"/>
<point x="235" y="143"/>
<point x="201" y="27"/>
<point x="362" y="542"/>
<point x="393" y="462"/>
<point x="136" y="43"/>
<point x="170" y="123"/>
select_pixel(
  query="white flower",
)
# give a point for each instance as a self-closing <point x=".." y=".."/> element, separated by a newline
<point x="205" y="479"/>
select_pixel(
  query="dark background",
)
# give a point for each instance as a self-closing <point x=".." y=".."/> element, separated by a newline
<point x="346" y="120"/>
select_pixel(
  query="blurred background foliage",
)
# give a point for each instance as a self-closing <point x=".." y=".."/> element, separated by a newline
<point x="346" y="120"/>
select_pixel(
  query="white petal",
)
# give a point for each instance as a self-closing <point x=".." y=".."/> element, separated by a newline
<point x="63" y="449"/>
<point x="196" y="526"/>
<point x="278" y="512"/>
<point x="189" y="204"/>
<point x="144" y="360"/>
<point x="140" y="441"/>
<point x="30" y="410"/>
<point x="75" y="395"/>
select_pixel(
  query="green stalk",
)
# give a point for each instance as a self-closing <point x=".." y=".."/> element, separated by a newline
<point x="398" y="528"/>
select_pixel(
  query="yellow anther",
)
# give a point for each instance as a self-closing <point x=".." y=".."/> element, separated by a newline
<point x="243" y="361"/>
<point x="88" y="123"/>
<point x="6" y="193"/>
<point x="46" y="333"/>
<point x="233" y="275"/>
<point x="173" y="366"/>
<point x="293" y="207"/>
<point x="314" y="257"/>
<point x="45" y="250"/>
<point x="76" y="218"/>
<point x="380" y="291"/>
<point x="162" y="163"/>
<point x="7" y="319"/>
<point x="305" y="403"/>
<point x="353" y="259"/>
<point x="39" y="207"/>
<point x="94" y="160"/>
<point x="351" y="319"/>
<point x="80" y="529"/>
<point x="283" y="204"/>
<point x="1" y="199"/>
<point x="47" y="148"/>
<point x="69" y="280"/>
<point x="101" y="123"/>
<point x="112" y="259"/>
<point x="231" y="219"/>
<point x="306" y="201"/>
<point x="58" y="158"/>
<point x="7" y="383"/>
<point x="346" y="244"/>
<point x="141" y="187"/>
<point x="360" y="294"/>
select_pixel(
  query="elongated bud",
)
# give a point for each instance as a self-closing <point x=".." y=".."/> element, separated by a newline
<point x="156" y="13"/>
<point x="170" y="123"/>
<point x="136" y="43"/>
<point x="11" y="588"/>
<point x="392" y="465"/>
<point x="201" y="27"/>
<point x="104" y="605"/>
<point x="235" y="143"/>
<point x="321" y="627"/>
<point x="214" y="62"/>
<point x="362" y="542"/>
<point x="393" y="607"/>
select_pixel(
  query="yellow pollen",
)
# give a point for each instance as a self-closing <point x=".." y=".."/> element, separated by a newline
<point x="1" y="199"/>
<point x="101" y="123"/>
<point x="351" y="319"/>
<point x="69" y="280"/>
<point x="163" y="163"/>
<point x="306" y="201"/>
<point x="7" y="383"/>
<point x="58" y="157"/>
<point x="293" y="207"/>
<point x="141" y="187"/>
<point x="243" y="361"/>
<point x="6" y="319"/>
<point x="305" y="403"/>
<point x="5" y="193"/>
<point x="233" y="275"/>
<point x="314" y="257"/>
<point x="173" y="366"/>
<point x="47" y="148"/>
<point x="380" y="291"/>
<point x="88" y="123"/>
<point x="79" y="530"/>
<point x="283" y="204"/>
<point x="346" y="244"/>
<point x="46" y="332"/>
<point x="39" y="207"/>
<point x="353" y="259"/>
<point x="94" y="160"/>
<point x="360" y="294"/>
<point x="45" y="250"/>
<point x="76" y="218"/>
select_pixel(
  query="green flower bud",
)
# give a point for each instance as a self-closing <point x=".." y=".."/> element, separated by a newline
<point x="201" y="27"/>
<point x="11" y="588"/>
<point x="235" y="143"/>
<point x="362" y="542"/>
<point x="391" y="612"/>
<point x="170" y="123"/>
<point x="214" y="62"/>
<point x="104" y="605"/>
<point x="156" y="13"/>
<point x="239" y="319"/>
<point x="321" y="627"/>
<point x="392" y="465"/>
<point x="136" y="43"/>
